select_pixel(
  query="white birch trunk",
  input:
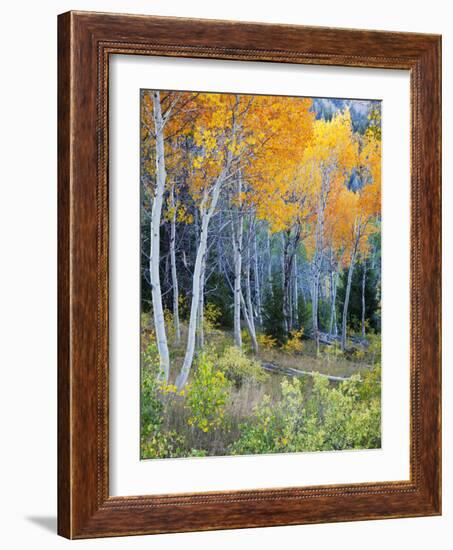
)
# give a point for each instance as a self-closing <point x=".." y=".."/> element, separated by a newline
<point x="248" y="294"/>
<point x="314" y="301"/>
<point x="207" y="209"/>
<point x="285" y="281"/>
<point x="202" y="248"/>
<point x="318" y="257"/>
<point x="257" y="280"/>
<point x="333" y="292"/>
<point x="346" y="303"/>
<point x="269" y="264"/>
<point x="348" y="290"/>
<point x="363" y="298"/>
<point x="296" y="291"/>
<point x="250" y="325"/>
<point x="174" y="275"/>
<point x="201" y="306"/>
<point x="335" y="320"/>
<point x="156" y="213"/>
<point x="237" y="258"/>
<point x="290" y="290"/>
<point x="237" y="295"/>
<point x="282" y="263"/>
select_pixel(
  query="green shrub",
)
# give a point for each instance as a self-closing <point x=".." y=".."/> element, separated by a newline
<point x="146" y="322"/>
<point x="294" y="343"/>
<point x="374" y="349"/>
<point x="150" y="359"/>
<point x="281" y="427"/>
<point x="155" y="441"/>
<point x="151" y="408"/>
<point x="207" y="395"/>
<point x="330" y="418"/>
<point x="212" y="316"/>
<point x="371" y="384"/>
<point x="238" y="368"/>
<point x="163" y="445"/>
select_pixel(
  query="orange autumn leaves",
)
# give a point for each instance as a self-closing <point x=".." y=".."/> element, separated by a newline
<point x="283" y="154"/>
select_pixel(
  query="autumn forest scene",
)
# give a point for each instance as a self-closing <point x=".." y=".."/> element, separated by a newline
<point x="260" y="274"/>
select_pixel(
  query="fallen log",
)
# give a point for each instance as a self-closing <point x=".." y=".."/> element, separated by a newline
<point x="329" y="339"/>
<point x="289" y="371"/>
<point x="360" y="341"/>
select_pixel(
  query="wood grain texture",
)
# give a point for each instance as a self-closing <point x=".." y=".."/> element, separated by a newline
<point x="64" y="369"/>
<point x="85" y="42"/>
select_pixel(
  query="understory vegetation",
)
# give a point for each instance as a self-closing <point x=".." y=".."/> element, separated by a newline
<point x="232" y="406"/>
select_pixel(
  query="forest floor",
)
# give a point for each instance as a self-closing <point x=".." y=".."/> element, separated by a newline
<point x="246" y="398"/>
<point x="308" y="361"/>
<point x="329" y="360"/>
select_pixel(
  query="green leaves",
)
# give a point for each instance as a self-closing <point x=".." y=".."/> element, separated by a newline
<point x="239" y="368"/>
<point x="330" y="418"/>
<point x="207" y="395"/>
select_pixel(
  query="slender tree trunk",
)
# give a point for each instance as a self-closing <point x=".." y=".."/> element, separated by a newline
<point x="207" y="209"/>
<point x="283" y="262"/>
<point x="363" y="297"/>
<point x="291" y="297"/>
<point x="314" y="305"/>
<point x="334" y="269"/>
<point x="318" y="257"/>
<point x="174" y="275"/>
<point x="206" y="215"/>
<point x="296" y="290"/>
<point x="269" y="263"/>
<point x="316" y="268"/>
<point x="156" y="213"/>
<point x="323" y="288"/>
<point x="314" y="309"/>
<point x="335" y="323"/>
<point x="302" y="292"/>
<point x="346" y="301"/>
<point x="237" y="234"/>
<point x="257" y="279"/>
<point x="237" y="297"/>
<point x="196" y="287"/>
<point x="290" y="244"/>
<point x="200" y="342"/>
<point x="333" y="299"/>
<point x="197" y="228"/>
<point x="248" y="290"/>
<point x="286" y="281"/>
<point x="250" y="325"/>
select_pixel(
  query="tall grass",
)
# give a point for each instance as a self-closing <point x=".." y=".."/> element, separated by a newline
<point x="232" y="406"/>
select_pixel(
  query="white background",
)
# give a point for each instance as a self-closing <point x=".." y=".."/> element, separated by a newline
<point x="128" y="474"/>
<point x="28" y="273"/>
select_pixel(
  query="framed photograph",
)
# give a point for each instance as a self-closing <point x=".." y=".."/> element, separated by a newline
<point x="249" y="275"/>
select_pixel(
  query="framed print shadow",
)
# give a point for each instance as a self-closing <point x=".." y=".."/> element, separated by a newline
<point x="249" y="275"/>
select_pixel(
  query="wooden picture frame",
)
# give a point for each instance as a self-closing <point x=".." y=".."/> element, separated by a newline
<point x="85" y="42"/>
